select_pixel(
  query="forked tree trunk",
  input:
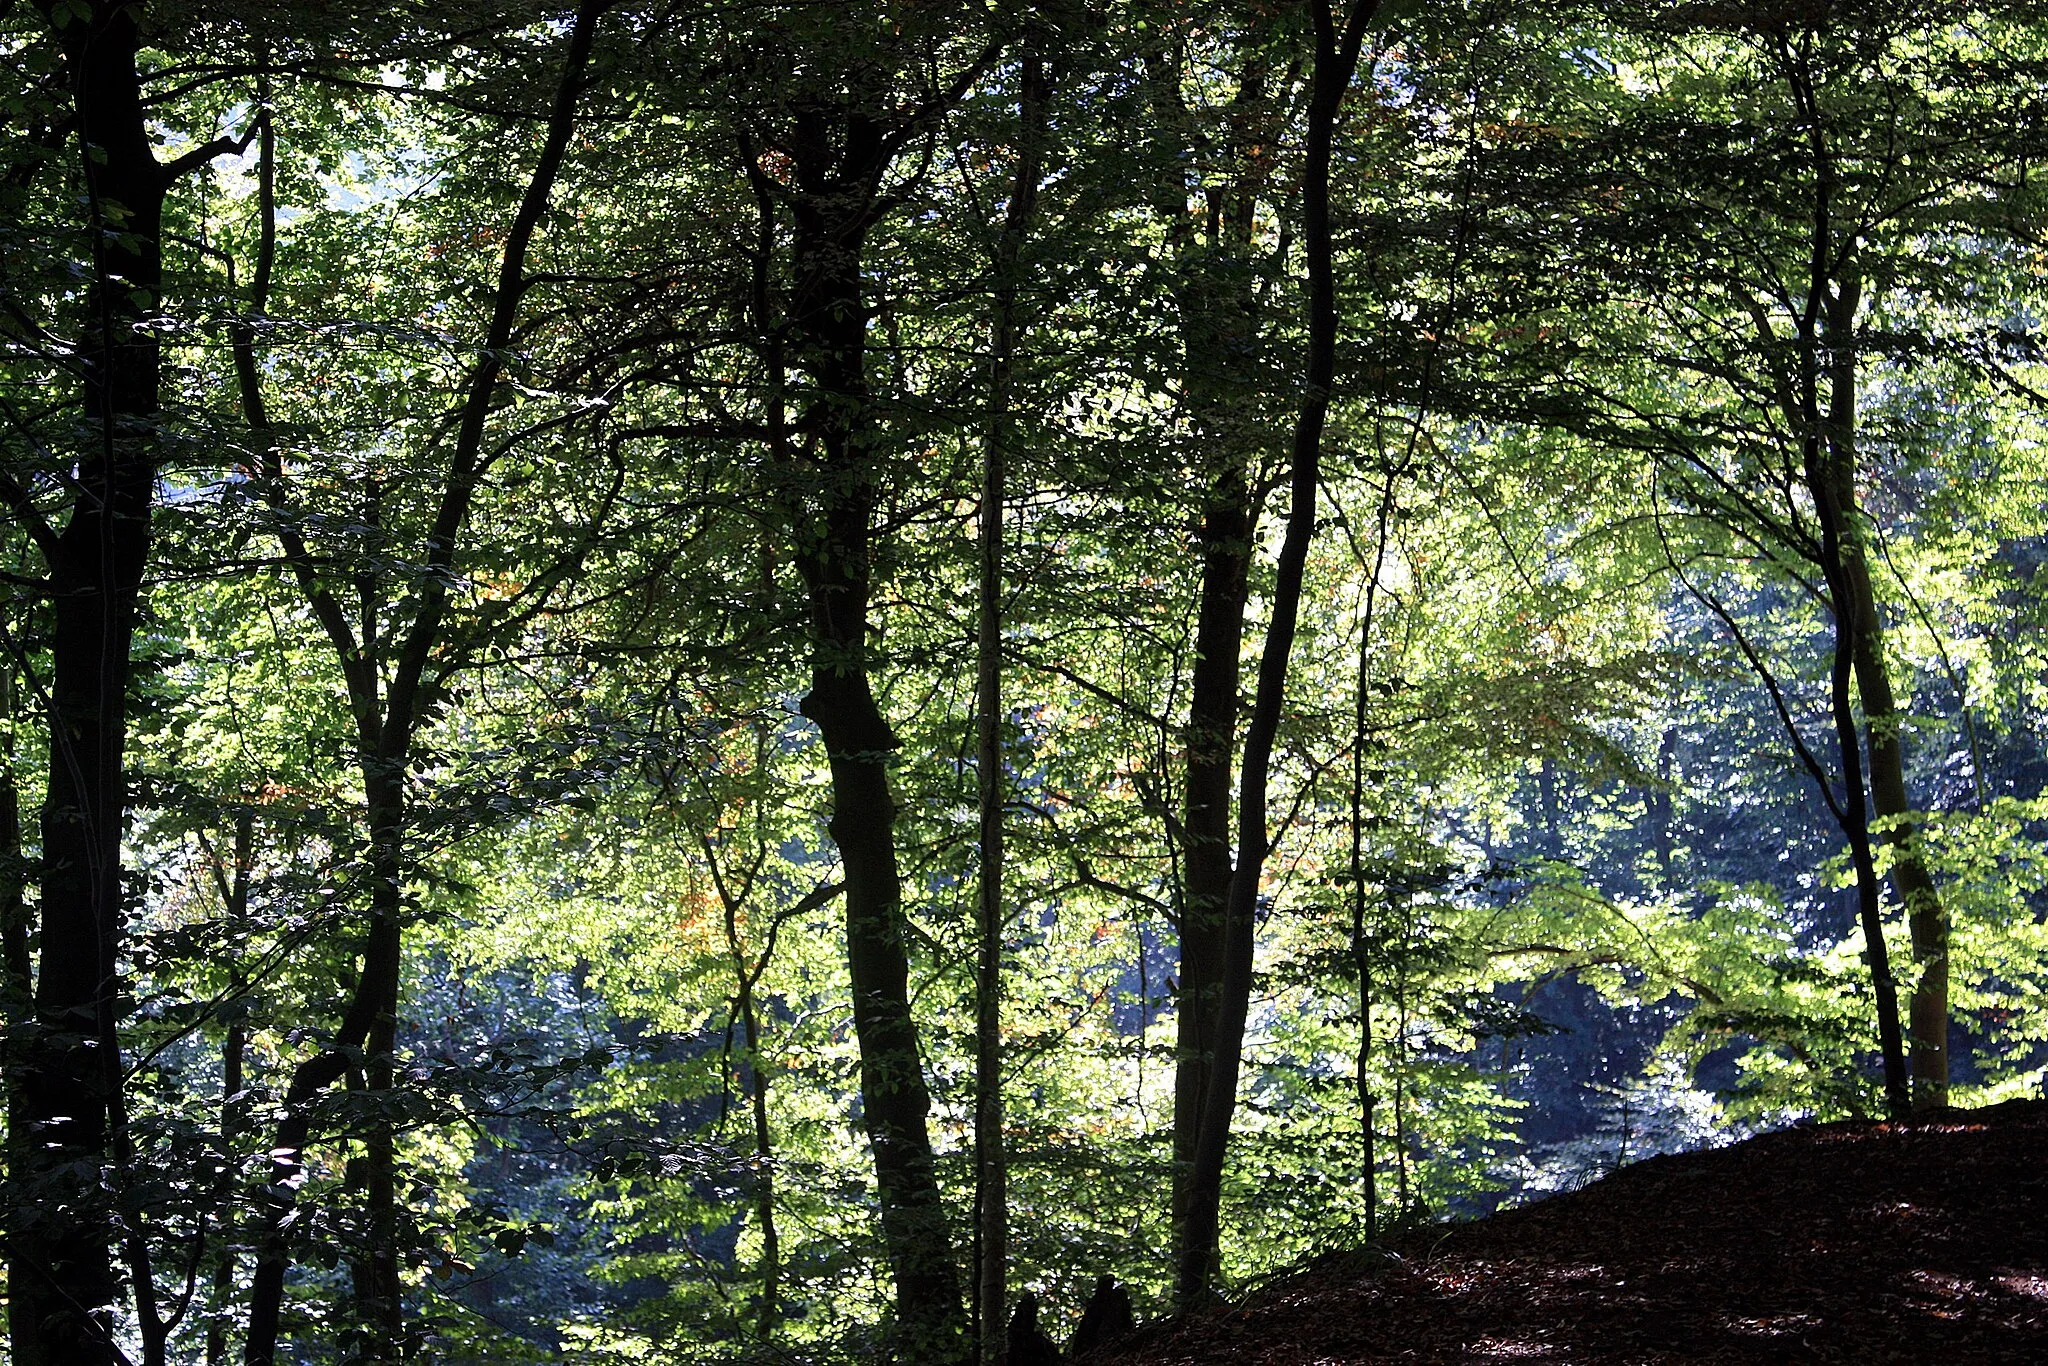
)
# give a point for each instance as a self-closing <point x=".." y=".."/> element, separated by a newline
<point x="1818" y="400"/>
<point x="388" y="710"/>
<point x="1336" y="58"/>
<point x="1926" y="916"/>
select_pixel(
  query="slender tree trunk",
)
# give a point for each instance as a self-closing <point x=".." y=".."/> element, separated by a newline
<point x="1660" y="805"/>
<point x="764" y="1146"/>
<point x="746" y="976"/>
<point x="1926" y="915"/>
<point x="1825" y="344"/>
<point x="1361" y="937"/>
<point x="233" y="1106"/>
<point x="840" y="157"/>
<point x="1336" y="58"/>
<point x="1825" y="482"/>
<point x="991" y="1192"/>
<point x="1404" y="1202"/>
<point x="1856" y="810"/>
<point x="17" y="981"/>
<point x="375" y="983"/>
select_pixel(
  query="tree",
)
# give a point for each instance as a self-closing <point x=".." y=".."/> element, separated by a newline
<point x="621" y="484"/>
<point x="1802" y="174"/>
<point x="87" y="510"/>
<point x="991" y="1170"/>
<point x="855" y="105"/>
<point x="1336" y="49"/>
<point x="395" y="657"/>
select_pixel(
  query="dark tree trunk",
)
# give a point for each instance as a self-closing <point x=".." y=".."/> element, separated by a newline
<point x="1927" y="919"/>
<point x="1926" y="915"/>
<point x="279" y="1198"/>
<point x="745" y="976"/>
<point x="1855" y="810"/>
<point x="840" y="156"/>
<point x="1218" y="311"/>
<point x="1832" y="487"/>
<point x="991" y="1188"/>
<point x="1660" y="805"/>
<point x="1820" y="405"/>
<point x="1336" y="57"/>
<point x="388" y="715"/>
<point x="234" y="888"/>
<point x="63" y="1277"/>
<point x="747" y="971"/>
<point x="378" y="1292"/>
<point x="17" y="982"/>
<point x="1224" y="538"/>
<point x="1362" y="938"/>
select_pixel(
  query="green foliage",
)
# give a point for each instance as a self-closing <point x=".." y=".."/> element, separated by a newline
<point x="1529" y="795"/>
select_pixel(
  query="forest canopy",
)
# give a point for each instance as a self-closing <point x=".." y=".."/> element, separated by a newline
<point x="750" y="681"/>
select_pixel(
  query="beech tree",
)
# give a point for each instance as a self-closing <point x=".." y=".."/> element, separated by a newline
<point x="394" y="650"/>
<point x="1797" y="187"/>
<point x="630" y="625"/>
<point x="85" y="506"/>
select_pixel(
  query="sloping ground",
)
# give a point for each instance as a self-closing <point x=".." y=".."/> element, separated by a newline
<point x="1862" y="1243"/>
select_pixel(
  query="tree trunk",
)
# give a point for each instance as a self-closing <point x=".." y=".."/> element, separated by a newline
<point x="1926" y="915"/>
<point x="1660" y="805"/>
<point x="234" y="887"/>
<point x="378" y="1292"/>
<point x="63" y="1277"/>
<point x="1211" y="741"/>
<point x="387" y="719"/>
<point x="1336" y="58"/>
<point x="991" y="1190"/>
<point x="746" y="976"/>
<point x="1217" y="310"/>
<point x="1827" y="481"/>
<point x="376" y="984"/>
<point x="1820" y="405"/>
<point x="840" y="157"/>
<point x="17" y="987"/>
<point x="1361" y="936"/>
<point x="1855" y="806"/>
<point x="764" y="1138"/>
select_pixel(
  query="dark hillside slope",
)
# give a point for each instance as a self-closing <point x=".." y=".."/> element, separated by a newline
<point x="1859" y="1242"/>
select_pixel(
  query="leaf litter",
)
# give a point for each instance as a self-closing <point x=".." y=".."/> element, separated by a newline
<point x="1860" y="1242"/>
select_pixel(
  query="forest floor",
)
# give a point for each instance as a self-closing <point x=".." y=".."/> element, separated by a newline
<point x="1860" y="1242"/>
